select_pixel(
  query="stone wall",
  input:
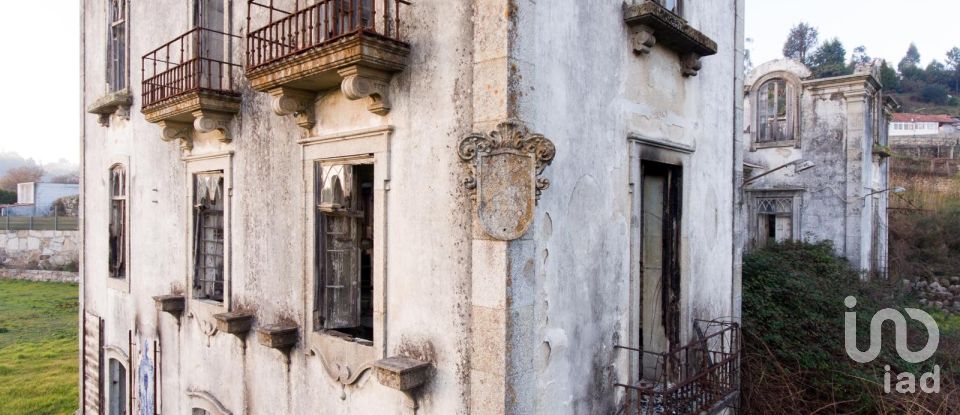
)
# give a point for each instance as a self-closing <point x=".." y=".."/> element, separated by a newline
<point x="39" y="250"/>
<point x="939" y="294"/>
<point x="39" y="275"/>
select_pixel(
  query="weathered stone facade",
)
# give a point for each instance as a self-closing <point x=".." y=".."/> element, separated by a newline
<point x="39" y="250"/>
<point x="516" y="313"/>
<point x="824" y="144"/>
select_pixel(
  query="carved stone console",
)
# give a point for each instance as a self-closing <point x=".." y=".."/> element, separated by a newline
<point x="113" y="103"/>
<point x="236" y="323"/>
<point x="652" y="24"/>
<point x="172" y="303"/>
<point x="361" y="65"/>
<point x="403" y="374"/>
<point x="278" y="336"/>
<point x="505" y="169"/>
<point x="199" y="111"/>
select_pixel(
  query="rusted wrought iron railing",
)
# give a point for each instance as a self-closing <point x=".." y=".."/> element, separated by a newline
<point x="698" y="377"/>
<point x="194" y="61"/>
<point x="289" y="33"/>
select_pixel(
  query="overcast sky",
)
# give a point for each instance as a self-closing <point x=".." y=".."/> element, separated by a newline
<point x="885" y="27"/>
<point x="40" y="105"/>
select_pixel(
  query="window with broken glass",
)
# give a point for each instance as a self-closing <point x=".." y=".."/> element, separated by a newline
<point x="775" y="112"/>
<point x="208" y="213"/>
<point x="118" y="222"/>
<point x="344" y="250"/>
<point x="774" y="220"/>
<point x="117" y="45"/>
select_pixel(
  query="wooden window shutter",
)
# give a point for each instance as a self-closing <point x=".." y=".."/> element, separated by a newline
<point x="92" y="364"/>
<point x="341" y="281"/>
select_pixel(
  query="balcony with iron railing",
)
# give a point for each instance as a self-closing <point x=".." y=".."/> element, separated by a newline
<point x="352" y="44"/>
<point x="189" y="85"/>
<point x="701" y="377"/>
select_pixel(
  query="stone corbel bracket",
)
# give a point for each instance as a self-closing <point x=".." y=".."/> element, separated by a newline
<point x="505" y="176"/>
<point x="179" y="131"/>
<point x="236" y="323"/>
<point x="295" y="102"/>
<point x="172" y="304"/>
<point x="362" y="82"/>
<point x="209" y="121"/>
<point x="113" y="103"/>
<point x="403" y="374"/>
<point x="652" y="24"/>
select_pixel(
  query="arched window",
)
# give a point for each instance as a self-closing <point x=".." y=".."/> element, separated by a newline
<point x="118" y="222"/>
<point x="776" y="111"/>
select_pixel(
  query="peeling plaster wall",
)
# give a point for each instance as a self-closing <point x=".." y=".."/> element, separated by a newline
<point x="426" y="210"/>
<point x="837" y="131"/>
<point x="566" y="68"/>
<point x="583" y="87"/>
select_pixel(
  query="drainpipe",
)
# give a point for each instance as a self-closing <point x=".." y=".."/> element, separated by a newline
<point x="82" y="223"/>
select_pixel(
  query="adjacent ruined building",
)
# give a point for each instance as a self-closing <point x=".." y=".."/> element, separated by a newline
<point x="426" y="206"/>
<point x="816" y="155"/>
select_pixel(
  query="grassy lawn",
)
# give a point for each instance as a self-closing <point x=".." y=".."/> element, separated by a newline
<point x="38" y="348"/>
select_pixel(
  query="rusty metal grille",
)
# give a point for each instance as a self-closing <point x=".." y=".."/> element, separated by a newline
<point x="700" y="377"/>
<point x="195" y="61"/>
<point x="289" y="33"/>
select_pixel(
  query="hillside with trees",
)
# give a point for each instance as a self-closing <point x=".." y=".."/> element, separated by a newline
<point x="930" y="89"/>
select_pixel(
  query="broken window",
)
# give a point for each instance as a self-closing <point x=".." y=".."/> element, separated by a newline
<point x="660" y="266"/>
<point x="774" y="220"/>
<point x="775" y="108"/>
<point x="118" y="222"/>
<point x="344" y="250"/>
<point x="117" y="389"/>
<point x="208" y="212"/>
<point x="117" y="45"/>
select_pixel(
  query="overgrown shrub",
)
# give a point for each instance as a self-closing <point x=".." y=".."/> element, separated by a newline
<point x="794" y="360"/>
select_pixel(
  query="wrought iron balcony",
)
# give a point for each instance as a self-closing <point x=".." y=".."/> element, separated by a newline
<point x="188" y="84"/>
<point x="353" y="44"/>
<point x="701" y="377"/>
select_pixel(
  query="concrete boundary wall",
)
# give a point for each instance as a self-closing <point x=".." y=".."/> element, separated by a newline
<point x="39" y="275"/>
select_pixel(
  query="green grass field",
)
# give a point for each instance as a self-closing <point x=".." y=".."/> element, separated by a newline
<point x="38" y="348"/>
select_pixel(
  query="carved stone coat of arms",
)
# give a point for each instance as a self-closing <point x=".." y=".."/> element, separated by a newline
<point x="505" y="167"/>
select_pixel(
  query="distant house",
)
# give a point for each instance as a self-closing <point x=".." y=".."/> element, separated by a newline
<point x="906" y="124"/>
<point x="36" y="199"/>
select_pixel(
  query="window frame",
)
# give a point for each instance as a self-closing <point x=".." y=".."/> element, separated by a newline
<point x="367" y="146"/>
<point x="757" y="195"/>
<point x="677" y="9"/>
<point x="117" y="68"/>
<point x="221" y="161"/>
<point x="794" y="93"/>
<point x="119" y="284"/>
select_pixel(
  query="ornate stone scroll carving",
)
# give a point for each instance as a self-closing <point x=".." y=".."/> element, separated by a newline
<point x="690" y="64"/>
<point x="180" y="131"/>
<point x="505" y="168"/>
<point x="296" y="102"/>
<point x="361" y="82"/>
<point x="643" y="39"/>
<point x="207" y="122"/>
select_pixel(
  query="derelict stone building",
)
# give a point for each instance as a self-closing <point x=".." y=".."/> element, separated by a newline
<point x="425" y="206"/>
<point x="816" y="155"/>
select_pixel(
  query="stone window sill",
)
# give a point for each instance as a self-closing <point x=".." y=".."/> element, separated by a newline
<point x="651" y="24"/>
<point x="774" y="144"/>
<point x="118" y="103"/>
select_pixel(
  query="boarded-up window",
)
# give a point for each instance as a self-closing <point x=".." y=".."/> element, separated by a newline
<point x="344" y="241"/>
<point x="118" y="222"/>
<point x="208" y="215"/>
<point x="117" y="45"/>
<point x="775" y="112"/>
